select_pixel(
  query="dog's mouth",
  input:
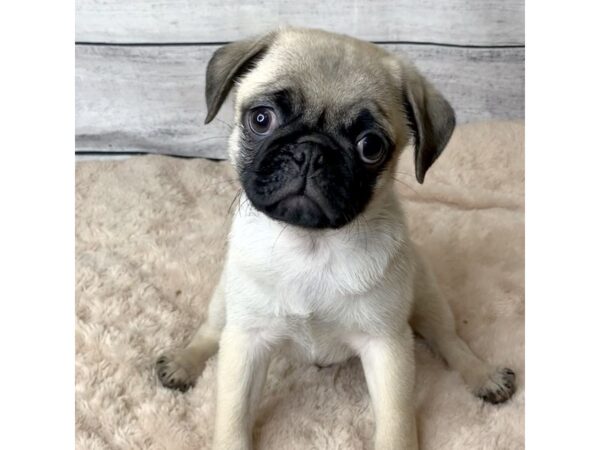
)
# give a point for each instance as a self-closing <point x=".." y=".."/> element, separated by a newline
<point x="300" y="209"/>
<point x="298" y="201"/>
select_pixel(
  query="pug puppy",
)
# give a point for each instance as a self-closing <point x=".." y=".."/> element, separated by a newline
<point x="320" y="263"/>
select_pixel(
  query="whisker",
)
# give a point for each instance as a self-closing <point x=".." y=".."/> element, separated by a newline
<point x="244" y="202"/>
<point x="219" y="182"/>
<point x="224" y="123"/>
<point x="236" y="197"/>
<point x="277" y="238"/>
<point x="401" y="172"/>
<point x="210" y="138"/>
<point x="404" y="184"/>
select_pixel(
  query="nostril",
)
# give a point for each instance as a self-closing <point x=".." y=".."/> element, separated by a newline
<point x="299" y="157"/>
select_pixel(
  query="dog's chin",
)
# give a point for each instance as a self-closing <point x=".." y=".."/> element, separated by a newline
<point x="303" y="211"/>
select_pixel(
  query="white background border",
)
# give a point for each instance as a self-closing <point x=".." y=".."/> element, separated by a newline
<point x="562" y="225"/>
<point x="37" y="225"/>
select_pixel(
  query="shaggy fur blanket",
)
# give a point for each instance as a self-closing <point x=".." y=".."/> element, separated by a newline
<point x="150" y="239"/>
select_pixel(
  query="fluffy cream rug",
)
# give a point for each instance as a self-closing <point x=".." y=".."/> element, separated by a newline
<point x="151" y="236"/>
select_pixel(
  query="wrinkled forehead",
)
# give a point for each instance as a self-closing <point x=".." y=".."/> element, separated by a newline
<point x="327" y="81"/>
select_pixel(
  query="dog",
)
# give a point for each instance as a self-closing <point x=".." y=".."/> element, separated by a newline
<point x="320" y="263"/>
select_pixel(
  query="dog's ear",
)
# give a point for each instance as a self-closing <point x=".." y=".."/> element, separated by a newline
<point x="227" y="64"/>
<point x="430" y="118"/>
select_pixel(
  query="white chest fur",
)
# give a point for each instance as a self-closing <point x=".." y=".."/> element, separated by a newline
<point x="316" y="286"/>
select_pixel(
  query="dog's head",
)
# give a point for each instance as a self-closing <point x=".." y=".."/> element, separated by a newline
<point x="320" y="120"/>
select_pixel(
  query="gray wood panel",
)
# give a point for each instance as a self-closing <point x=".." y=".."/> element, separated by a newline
<point x="481" y="22"/>
<point x="151" y="99"/>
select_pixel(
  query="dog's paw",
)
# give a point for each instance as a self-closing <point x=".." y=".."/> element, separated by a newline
<point x="174" y="373"/>
<point x="499" y="387"/>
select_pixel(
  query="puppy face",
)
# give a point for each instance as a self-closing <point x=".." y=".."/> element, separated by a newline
<point x="320" y="120"/>
<point x="308" y="160"/>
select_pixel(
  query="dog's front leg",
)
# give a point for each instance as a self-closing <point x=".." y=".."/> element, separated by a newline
<point x="242" y="369"/>
<point x="389" y="368"/>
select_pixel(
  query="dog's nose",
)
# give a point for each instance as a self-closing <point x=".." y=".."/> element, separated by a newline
<point x="308" y="155"/>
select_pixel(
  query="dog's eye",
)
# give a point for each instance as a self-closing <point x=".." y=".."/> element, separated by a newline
<point x="371" y="148"/>
<point x="262" y="121"/>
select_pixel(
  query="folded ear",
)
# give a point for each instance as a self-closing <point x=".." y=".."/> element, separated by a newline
<point x="226" y="65"/>
<point x="430" y="117"/>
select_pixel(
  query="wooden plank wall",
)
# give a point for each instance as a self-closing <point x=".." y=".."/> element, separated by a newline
<point x="140" y="64"/>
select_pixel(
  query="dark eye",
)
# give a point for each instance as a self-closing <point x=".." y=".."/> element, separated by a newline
<point x="262" y="121"/>
<point x="371" y="148"/>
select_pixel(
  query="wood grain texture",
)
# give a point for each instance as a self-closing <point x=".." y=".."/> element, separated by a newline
<point x="151" y="99"/>
<point x="483" y="22"/>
